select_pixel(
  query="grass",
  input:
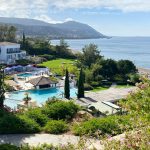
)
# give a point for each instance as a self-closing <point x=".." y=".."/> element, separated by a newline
<point x="100" y="88"/>
<point x="58" y="66"/>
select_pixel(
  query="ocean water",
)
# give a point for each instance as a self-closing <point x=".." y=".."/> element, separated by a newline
<point x="136" y="49"/>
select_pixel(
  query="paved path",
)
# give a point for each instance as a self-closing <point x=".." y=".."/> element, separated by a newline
<point x="112" y="94"/>
<point x="37" y="139"/>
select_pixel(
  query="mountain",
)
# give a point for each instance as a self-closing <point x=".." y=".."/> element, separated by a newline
<point x="37" y="28"/>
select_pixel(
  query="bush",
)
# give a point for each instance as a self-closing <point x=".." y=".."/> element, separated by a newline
<point x="37" y="116"/>
<point x="47" y="57"/>
<point x="10" y="123"/>
<point x="95" y="127"/>
<point x="56" y="127"/>
<point x="87" y="87"/>
<point x="94" y="84"/>
<point x="56" y="109"/>
<point x="8" y="147"/>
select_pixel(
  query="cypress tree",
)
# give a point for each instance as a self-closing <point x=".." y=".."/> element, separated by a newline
<point x="2" y="91"/>
<point x="23" y="41"/>
<point x="67" y="86"/>
<point x="81" y="84"/>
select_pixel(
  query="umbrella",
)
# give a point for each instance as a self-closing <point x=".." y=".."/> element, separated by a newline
<point x="14" y="67"/>
<point x="7" y="69"/>
<point x="19" y="66"/>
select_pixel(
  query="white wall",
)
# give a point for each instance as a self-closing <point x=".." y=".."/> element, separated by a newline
<point x="13" y="56"/>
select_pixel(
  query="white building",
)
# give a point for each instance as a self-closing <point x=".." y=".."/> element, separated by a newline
<point x="10" y="52"/>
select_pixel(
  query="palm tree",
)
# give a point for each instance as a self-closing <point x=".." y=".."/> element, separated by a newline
<point x="27" y="99"/>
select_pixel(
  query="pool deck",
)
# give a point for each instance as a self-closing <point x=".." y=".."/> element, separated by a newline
<point x="111" y="95"/>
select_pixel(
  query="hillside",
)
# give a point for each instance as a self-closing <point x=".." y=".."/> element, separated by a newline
<point x="69" y="30"/>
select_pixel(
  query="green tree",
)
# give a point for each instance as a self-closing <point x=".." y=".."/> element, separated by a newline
<point x="90" y="56"/>
<point x="2" y="90"/>
<point x="81" y="84"/>
<point x="126" y="67"/>
<point x="7" y="33"/>
<point x="67" y="86"/>
<point x="109" y="69"/>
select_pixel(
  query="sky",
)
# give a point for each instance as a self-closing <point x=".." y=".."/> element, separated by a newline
<point x="110" y="17"/>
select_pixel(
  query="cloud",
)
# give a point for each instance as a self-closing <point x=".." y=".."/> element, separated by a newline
<point x="68" y="19"/>
<point x="47" y="19"/>
<point x="43" y="8"/>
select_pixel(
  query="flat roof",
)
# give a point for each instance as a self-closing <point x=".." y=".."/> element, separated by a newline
<point x="7" y="43"/>
<point x="104" y="108"/>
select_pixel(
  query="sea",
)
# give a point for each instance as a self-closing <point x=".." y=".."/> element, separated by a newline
<point x="136" y="49"/>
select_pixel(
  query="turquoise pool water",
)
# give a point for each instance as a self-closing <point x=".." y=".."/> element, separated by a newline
<point x="25" y="75"/>
<point x="40" y="95"/>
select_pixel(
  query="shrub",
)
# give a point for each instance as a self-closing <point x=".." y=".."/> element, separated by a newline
<point x="94" y="84"/>
<point x="56" y="127"/>
<point x="47" y="57"/>
<point x="57" y="109"/>
<point x="10" y="123"/>
<point x="8" y="147"/>
<point x="87" y="87"/>
<point x="95" y="127"/>
<point x="37" y="116"/>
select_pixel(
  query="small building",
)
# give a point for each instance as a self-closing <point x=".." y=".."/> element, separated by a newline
<point x="42" y="82"/>
<point x="10" y="52"/>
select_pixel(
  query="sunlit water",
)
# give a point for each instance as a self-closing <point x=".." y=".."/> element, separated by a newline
<point x="136" y="49"/>
<point x="40" y="95"/>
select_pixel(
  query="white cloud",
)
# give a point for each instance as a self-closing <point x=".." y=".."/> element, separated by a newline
<point x="68" y="19"/>
<point x="47" y="19"/>
<point x="41" y="8"/>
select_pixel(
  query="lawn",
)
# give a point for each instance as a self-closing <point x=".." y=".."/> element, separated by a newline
<point x="100" y="88"/>
<point x="58" y="66"/>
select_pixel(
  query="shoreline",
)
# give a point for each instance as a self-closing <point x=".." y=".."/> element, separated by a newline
<point x="143" y="70"/>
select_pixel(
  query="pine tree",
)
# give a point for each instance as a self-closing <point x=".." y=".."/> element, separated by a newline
<point x="81" y="84"/>
<point x="2" y="91"/>
<point x="67" y="86"/>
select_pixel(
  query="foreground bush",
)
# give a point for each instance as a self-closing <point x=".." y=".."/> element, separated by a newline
<point x="56" y="127"/>
<point x="111" y="125"/>
<point x="137" y="140"/>
<point x="56" y="109"/>
<point x="37" y="116"/>
<point x="8" y="147"/>
<point x="10" y="123"/>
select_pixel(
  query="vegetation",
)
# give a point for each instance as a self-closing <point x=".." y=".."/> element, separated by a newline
<point x="56" y="127"/>
<point x="59" y="66"/>
<point x="111" y="125"/>
<point x="36" y="119"/>
<point x="60" y="110"/>
<point x="137" y="105"/>
<point x="7" y="33"/>
<point x="97" y="68"/>
<point x="2" y="90"/>
<point x="10" y="123"/>
<point x="67" y="86"/>
<point x="81" y="85"/>
<point x="100" y="88"/>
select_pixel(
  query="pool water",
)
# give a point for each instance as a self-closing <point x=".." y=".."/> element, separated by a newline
<point x="25" y="75"/>
<point x="40" y="95"/>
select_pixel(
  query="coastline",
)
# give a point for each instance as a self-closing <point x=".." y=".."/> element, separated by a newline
<point x="143" y="71"/>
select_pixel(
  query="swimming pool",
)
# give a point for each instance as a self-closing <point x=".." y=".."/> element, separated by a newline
<point x="25" y="75"/>
<point x="40" y="95"/>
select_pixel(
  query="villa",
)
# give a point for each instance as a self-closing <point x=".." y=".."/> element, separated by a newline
<point x="10" y="52"/>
